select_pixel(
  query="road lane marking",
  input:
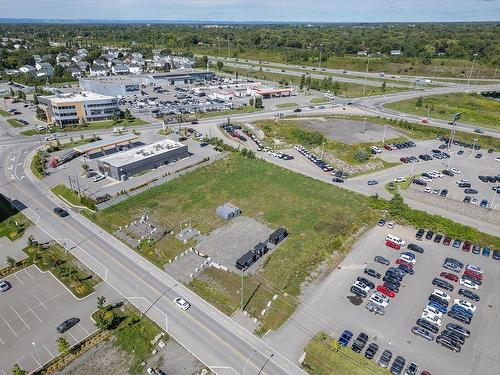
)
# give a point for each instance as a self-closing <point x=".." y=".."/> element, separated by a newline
<point x="19" y="316"/>
<point x="29" y="274"/>
<point x="52" y="355"/>
<point x="41" y="303"/>
<point x="3" y="342"/>
<point x="74" y="338"/>
<point x="34" y="313"/>
<point x="34" y="359"/>
<point x="8" y="325"/>
<point x="18" y="279"/>
<point x="79" y="325"/>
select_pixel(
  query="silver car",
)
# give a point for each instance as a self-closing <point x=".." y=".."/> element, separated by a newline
<point x="4" y="286"/>
<point x="419" y="331"/>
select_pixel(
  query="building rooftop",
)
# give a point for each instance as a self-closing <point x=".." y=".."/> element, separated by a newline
<point x="97" y="145"/>
<point x="72" y="97"/>
<point x="141" y="153"/>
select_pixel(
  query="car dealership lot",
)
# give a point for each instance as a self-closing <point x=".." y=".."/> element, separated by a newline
<point x="30" y="312"/>
<point x="336" y="309"/>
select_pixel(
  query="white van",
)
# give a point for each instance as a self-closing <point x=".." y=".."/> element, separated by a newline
<point x="395" y="239"/>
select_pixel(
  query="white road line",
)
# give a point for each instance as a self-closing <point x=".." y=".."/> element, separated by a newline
<point x="34" y="313"/>
<point x="34" y="359"/>
<point x="3" y="342"/>
<point x="18" y="279"/>
<point x="3" y="372"/>
<point x="20" y="317"/>
<point x="74" y="338"/>
<point x="41" y="303"/>
<point x="8" y="325"/>
<point x="29" y="274"/>
<point x="87" y="332"/>
<point x="52" y="355"/>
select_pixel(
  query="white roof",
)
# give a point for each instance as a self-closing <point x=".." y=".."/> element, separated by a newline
<point x="83" y="96"/>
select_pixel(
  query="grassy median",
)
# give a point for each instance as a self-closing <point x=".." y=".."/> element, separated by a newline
<point x="12" y="222"/>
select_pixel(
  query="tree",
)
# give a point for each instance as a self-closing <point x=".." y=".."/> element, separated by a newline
<point x="127" y="115"/>
<point x="302" y="81"/>
<point x="11" y="261"/>
<point x="383" y="86"/>
<point x="220" y="65"/>
<point x="62" y="344"/>
<point x="101" y="301"/>
<point x="11" y="92"/>
<point x="251" y="102"/>
<point x="115" y="117"/>
<point x="258" y="102"/>
<point x="17" y="370"/>
<point x="361" y="155"/>
<point x="35" y="99"/>
<point x="419" y="102"/>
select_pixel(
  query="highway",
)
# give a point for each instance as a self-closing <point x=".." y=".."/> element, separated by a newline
<point x="214" y="338"/>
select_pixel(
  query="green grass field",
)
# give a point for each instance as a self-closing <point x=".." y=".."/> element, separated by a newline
<point x="287" y="105"/>
<point x="319" y="100"/>
<point x="476" y="109"/>
<point x="14" y="123"/>
<point x="4" y="113"/>
<point x="229" y="112"/>
<point x="324" y="357"/>
<point x="12" y="222"/>
<point x="89" y="126"/>
<point x="319" y="217"/>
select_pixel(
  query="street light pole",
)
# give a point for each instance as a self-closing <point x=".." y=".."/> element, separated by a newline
<point x="265" y="363"/>
<point x="366" y="75"/>
<point x="456" y="117"/>
<point x="385" y="130"/>
<point x="320" y="52"/>
<point x="242" y="281"/>
<point x="471" y="68"/>
<point x="248" y="360"/>
<point x="37" y="354"/>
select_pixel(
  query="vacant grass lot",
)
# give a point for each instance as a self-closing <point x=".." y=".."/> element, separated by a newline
<point x="287" y="105"/>
<point x="4" y="113"/>
<point x="319" y="217"/>
<point x="324" y="357"/>
<point x="14" y="123"/>
<point x="476" y="109"/>
<point x="229" y="112"/>
<point x="12" y="222"/>
<point x="89" y="126"/>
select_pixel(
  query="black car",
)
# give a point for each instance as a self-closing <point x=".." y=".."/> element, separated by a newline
<point x="416" y="248"/>
<point x="337" y="179"/>
<point x="392" y="280"/>
<point x="360" y="342"/>
<point x="61" y="212"/>
<point x="467" y="199"/>
<point x="381" y="260"/>
<point x="420" y="234"/>
<point x="367" y="282"/>
<point x="372" y="273"/>
<point x="470" y="191"/>
<point x="385" y="358"/>
<point x="371" y="350"/>
<point x="496" y="254"/>
<point x="454" y="261"/>
<point x="391" y="286"/>
<point x="442" y="284"/>
<point x="444" y="193"/>
<point x="458" y="329"/>
<point x="473" y="279"/>
<point x="406" y="269"/>
<point x="469" y="294"/>
<point x="448" y="343"/>
<point x="460" y="317"/>
<point x="448" y="173"/>
<point x="396" y="272"/>
<point x="454" y="336"/>
<point x="429" y="235"/>
<point x="358" y="291"/>
<point x="427" y="325"/>
<point x="464" y="185"/>
<point x="398" y="365"/>
<point x="439" y="300"/>
<point x="67" y="324"/>
<point x="438" y="238"/>
<point x="297" y="110"/>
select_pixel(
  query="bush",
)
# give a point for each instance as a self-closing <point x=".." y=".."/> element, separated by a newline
<point x="361" y="155"/>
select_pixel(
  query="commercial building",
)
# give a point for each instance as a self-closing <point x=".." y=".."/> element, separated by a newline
<point x="123" y="165"/>
<point x="71" y="109"/>
<point x="268" y="91"/>
<point x="120" y="86"/>
<point x="228" y="211"/>
<point x="178" y="77"/>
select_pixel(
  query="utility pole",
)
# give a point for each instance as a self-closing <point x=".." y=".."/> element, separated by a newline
<point x="492" y="204"/>
<point x="242" y="282"/>
<point x="320" y="52"/>
<point x="364" y="126"/>
<point x="473" y="146"/>
<point x="366" y="75"/>
<point x="385" y="131"/>
<point x="471" y="68"/>
<point x="456" y="117"/>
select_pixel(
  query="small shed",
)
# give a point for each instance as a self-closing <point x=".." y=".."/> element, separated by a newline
<point x="277" y="236"/>
<point x="260" y="249"/>
<point x="246" y="261"/>
<point x="228" y="211"/>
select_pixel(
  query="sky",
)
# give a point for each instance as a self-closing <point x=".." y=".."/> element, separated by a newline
<point x="257" y="10"/>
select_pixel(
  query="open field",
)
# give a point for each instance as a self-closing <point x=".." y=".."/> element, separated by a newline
<point x="14" y="123"/>
<point x="475" y="109"/>
<point x="12" y="222"/>
<point x="287" y="105"/>
<point x="318" y="216"/>
<point x="322" y="358"/>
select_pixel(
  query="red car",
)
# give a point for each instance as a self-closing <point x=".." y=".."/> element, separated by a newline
<point x="404" y="263"/>
<point x="447" y="241"/>
<point x="404" y="160"/>
<point x="449" y="276"/>
<point x="387" y="147"/>
<point x="467" y="245"/>
<point x="393" y="245"/>
<point x="475" y="275"/>
<point x="389" y="293"/>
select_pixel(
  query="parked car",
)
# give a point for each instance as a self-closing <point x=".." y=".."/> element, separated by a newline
<point x="385" y="358"/>
<point x="371" y="350"/>
<point x="448" y="343"/>
<point x="429" y="326"/>
<point x="442" y="284"/>
<point x="422" y="332"/>
<point x="345" y="337"/>
<point x="384" y="290"/>
<point x="458" y="329"/>
<point x="457" y="243"/>
<point x="360" y="342"/>
<point x="4" y="286"/>
<point x="415" y="248"/>
<point x="398" y="365"/>
<point x="67" y="324"/>
<point x="411" y="369"/>
<point x="365" y="281"/>
<point x="372" y="273"/>
<point x="449" y="276"/>
<point x="382" y="260"/>
<point x="420" y="234"/>
<point x="447" y="241"/>
<point x="468" y="283"/>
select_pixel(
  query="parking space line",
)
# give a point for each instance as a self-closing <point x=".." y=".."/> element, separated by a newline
<point x="20" y="317"/>
<point x="34" y="313"/>
<point x="18" y="279"/>
<point x="41" y="303"/>
<point x="34" y="359"/>
<point x="3" y="342"/>
<point x="3" y="372"/>
<point x="87" y="332"/>
<point x="74" y="338"/>
<point x="8" y="325"/>
<point x="48" y="351"/>
<point x="29" y="274"/>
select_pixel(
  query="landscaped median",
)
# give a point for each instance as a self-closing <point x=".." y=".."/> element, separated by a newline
<point x="96" y="125"/>
<point x="73" y="198"/>
<point x="325" y="356"/>
<point x="12" y="222"/>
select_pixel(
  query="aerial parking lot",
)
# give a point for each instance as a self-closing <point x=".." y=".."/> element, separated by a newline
<point x="30" y="312"/>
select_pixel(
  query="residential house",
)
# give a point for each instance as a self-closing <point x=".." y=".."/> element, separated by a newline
<point x="75" y="72"/>
<point x="120" y="69"/>
<point x="98" y="71"/>
<point x="44" y="69"/>
<point x="83" y="52"/>
<point x="100" y="62"/>
<point x="65" y="64"/>
<point x="83" y="65"/>
<point x="396" y="52"/>
<point x="135" y="69"/>
<point x="76" y="58"/>
<point x="27" y="69"/>
<point x="37" y="58"/>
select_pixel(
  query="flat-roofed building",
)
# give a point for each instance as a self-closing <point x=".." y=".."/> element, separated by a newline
<point x="72" y="109"/>
<point x="123" y="165"/>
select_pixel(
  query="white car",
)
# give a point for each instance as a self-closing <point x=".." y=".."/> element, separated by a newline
<point x="455" y="170"/>
<point x="391" y="224"/>
<point x="439" y="174"/>
<point x="362" y="286"/>
<point x="433" y="318"/>
<point x="403" y="114"/>
<point x="182" y="304"/>
<point x="463" y="182"/>
<point x="407" y="259"/>
<point x="465" y="304"/>
<point x="474" y="201"/>
<point x="468" y="283"/>
<point x="433" y="310"/>
<point x="4" y="286"/>
<point x="97" y="178"/>
<point x="474" y="268"/>
<point x="428" y="189"/>
<point x="432" y="174"/>
<point x="439" y="293"/>
<point x="400" y="179"/>
<point x="379" y="299"/>
<point x="426" y="179"/>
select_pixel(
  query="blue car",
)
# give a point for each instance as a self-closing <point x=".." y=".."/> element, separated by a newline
<point x="442" y="309"/>
<point x="457" y="243"/>
<point x="345" y="338"/>
<point x="486" y="251"/>
<point x="411" y="255"/>
<point x="484" y="203"/>
<point x="462" y="311"/>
